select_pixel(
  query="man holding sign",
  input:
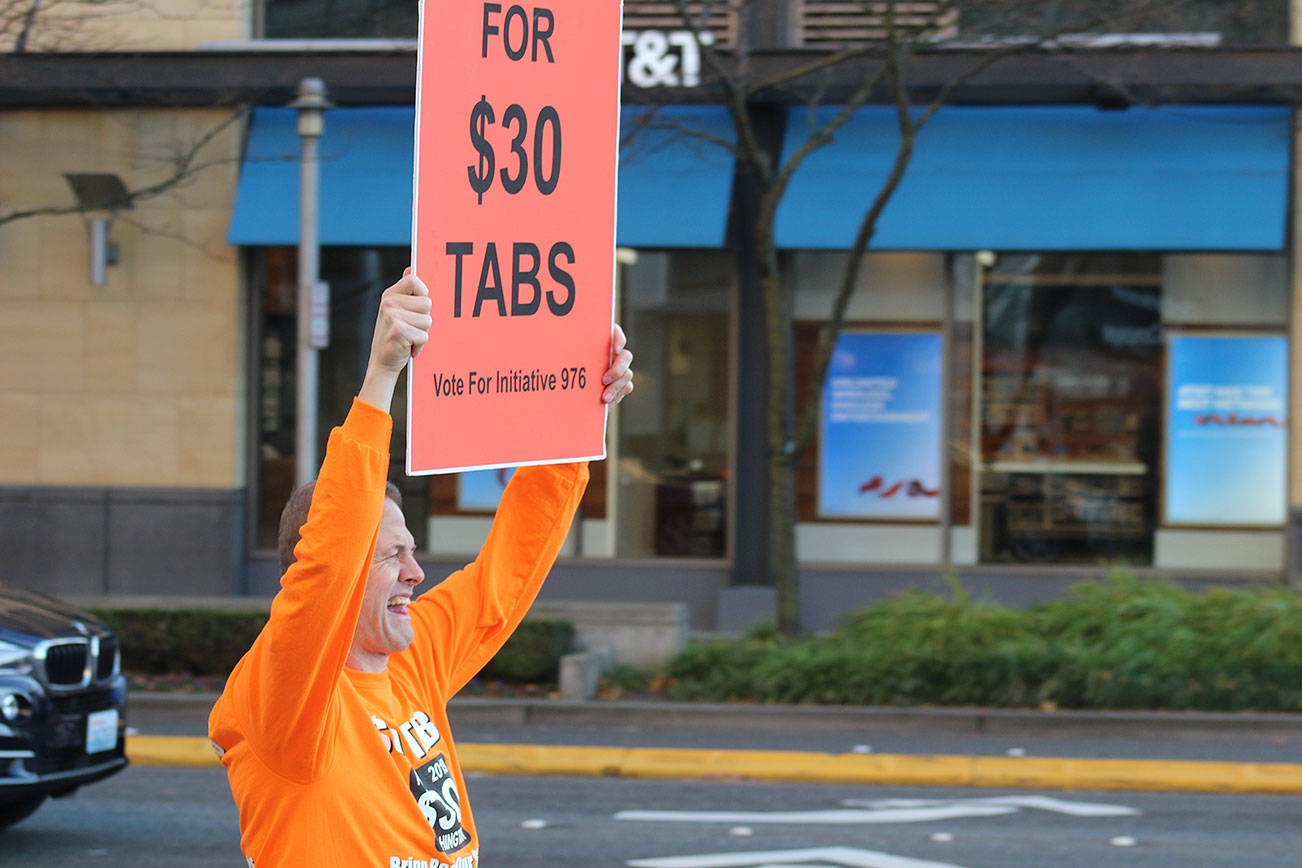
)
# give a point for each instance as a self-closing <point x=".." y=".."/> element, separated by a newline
<point x="333" y="727"/>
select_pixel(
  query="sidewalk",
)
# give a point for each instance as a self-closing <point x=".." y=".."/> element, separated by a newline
<point x="484" y="711"/>
<point x="949" y="747"/>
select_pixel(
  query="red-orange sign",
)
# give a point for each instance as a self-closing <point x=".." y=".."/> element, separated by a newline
<point x="517" y="127"/>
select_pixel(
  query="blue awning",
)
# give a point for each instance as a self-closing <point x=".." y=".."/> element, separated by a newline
<point x="1057" y="178"/>
<point x="675" y="184"/>
<point x="366" y="171"/>
<point x="674" y="188"/>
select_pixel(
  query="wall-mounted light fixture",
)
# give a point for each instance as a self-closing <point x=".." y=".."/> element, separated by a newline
<point x="101" y="197"/>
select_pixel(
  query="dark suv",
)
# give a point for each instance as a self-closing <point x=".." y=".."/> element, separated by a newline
<point x="61" y="702"/>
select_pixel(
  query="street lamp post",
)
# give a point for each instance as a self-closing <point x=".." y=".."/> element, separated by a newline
<point x="313" y="303"/>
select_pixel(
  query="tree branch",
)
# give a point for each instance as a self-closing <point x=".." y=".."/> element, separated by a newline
<point x="821" y="64"/>
<point x="185" y="166"/>
<point x="20" y="44"/>
<point x="909" y="127"/>
<point x="647" y="121"/>
<point x="735" y="95"/>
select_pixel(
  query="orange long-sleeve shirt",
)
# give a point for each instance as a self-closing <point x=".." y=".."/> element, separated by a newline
<point x="330" y="766"/>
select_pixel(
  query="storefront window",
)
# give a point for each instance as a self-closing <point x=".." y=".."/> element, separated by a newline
<point x="339" y="19"/>
<point x="356" y="277"/>
<point x="673" y="452"/>
<point x="870" y="484"/>
<point x="1096" y="408"/>
<point x="1101" y="379"/>
<point x="1070" y="390"/>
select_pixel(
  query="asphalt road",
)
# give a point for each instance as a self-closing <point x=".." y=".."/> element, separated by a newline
<point x="182" y="817"/>
<point x="151" y="817"/>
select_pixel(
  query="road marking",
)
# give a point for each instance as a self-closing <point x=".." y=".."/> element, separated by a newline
<point x="820" y="857"/>
<point x="862" y="811"/>
<point x="1042" y="803"/>
<point x="842" y="817"/>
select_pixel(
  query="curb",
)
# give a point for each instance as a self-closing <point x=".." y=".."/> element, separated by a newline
<point x="1241" y="726"/>
<point x="809" y="767"/>
<point x="484" y="711"/>
<point x="171" y="750"/>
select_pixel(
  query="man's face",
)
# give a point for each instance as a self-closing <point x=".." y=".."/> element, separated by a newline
<point x="383" y="625"/>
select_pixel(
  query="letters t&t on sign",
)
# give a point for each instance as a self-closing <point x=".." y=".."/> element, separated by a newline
<point x="513" y="231"/>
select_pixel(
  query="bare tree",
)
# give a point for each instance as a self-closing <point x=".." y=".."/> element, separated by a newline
<point x="179" y="169"/>
<point x="72" y="25"/>
<point x="31" y="26"/>
<point x="996" y="29"/>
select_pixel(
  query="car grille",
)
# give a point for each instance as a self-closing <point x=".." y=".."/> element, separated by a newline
<point x="71" y="663"/>
<point x="61" y="760"/>
<point x="108" y="652"/>
<point x="82" y="703"/>
<point x="65" y="663"/>
<point x="68" y="759"/>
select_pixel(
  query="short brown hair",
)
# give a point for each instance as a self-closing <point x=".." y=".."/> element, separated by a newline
<point x="294" y="516"/>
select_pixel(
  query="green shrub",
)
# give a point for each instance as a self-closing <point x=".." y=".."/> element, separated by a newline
<point x="533" y="653"/>
<point x="1116" y="644"/>
<point x="182" y="641"/>
<point x="626" y="678"/>
<point x="1154" y="644"/>
<point x="723" y="670"/>
<point x="211" y="642"/>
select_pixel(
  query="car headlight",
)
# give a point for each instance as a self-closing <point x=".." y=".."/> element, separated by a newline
<point x="15" y="707"/>
<point x="15" y="659"/>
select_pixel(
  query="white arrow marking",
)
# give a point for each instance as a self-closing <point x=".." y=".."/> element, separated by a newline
<point x="822" y="857"/>
<point x="922" y="814"/>
<point x="1043" y="803"/>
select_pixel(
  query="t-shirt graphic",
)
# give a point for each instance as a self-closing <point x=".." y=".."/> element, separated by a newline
<point x="435" y="790"/>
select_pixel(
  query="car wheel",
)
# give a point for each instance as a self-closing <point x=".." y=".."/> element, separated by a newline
<point x="16" y="812"/>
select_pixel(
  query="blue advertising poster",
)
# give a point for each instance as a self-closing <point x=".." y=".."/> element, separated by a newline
<point x="1225" y="430"/>
<point x="879" y="447"/>
<point x="480" y="490"/>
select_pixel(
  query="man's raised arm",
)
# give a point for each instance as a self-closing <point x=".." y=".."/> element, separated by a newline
<point x="475" y="610"/>
<point x="282" y="694"/>
<point x="401" y="329"/>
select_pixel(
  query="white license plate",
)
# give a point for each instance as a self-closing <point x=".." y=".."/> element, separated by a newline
<point x="101" y="730"/>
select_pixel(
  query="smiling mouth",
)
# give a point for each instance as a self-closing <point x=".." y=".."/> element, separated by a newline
<point x="398" y="605"/>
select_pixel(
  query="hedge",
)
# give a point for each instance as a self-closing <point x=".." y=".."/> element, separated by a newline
<point x="1119" y="644"/>
<point x="211" y="642"/>
<point x="1116" y="644"/>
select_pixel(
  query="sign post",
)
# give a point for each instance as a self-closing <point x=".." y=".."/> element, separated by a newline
<point x="513" y="231"/>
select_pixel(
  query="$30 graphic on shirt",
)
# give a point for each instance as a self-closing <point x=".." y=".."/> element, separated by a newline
<point x="432" y="783"/>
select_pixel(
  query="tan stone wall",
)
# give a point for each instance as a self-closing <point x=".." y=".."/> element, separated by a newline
<point x="131" y="25"/>
<point x="139" y="382"/>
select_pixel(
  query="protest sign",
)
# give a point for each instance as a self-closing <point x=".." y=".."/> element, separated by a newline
<point x="513" y="231"/>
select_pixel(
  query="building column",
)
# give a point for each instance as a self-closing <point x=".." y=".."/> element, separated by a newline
<point x="750" y="510"/>
<point x="751" y="598"/>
